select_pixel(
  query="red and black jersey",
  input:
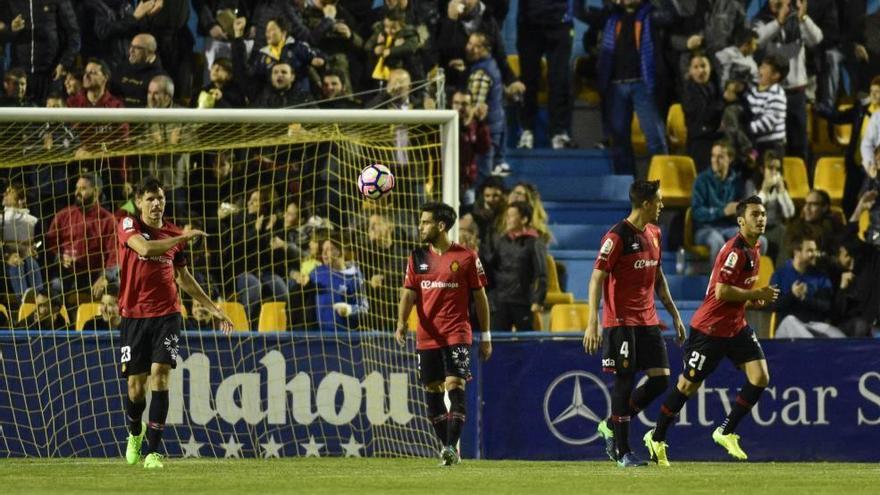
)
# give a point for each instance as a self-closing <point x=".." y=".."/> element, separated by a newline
<point x="146" y="284"/>
<point x="736" y="265"/>
<point x="631" y="257"/>
<point x="443" y="285"/>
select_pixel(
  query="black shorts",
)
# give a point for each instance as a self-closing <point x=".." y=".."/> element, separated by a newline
<point x="702" y="353"/>
<point x="436" y="364"/>
<point x="149" y="340"/>
<point x="629" y="349"/>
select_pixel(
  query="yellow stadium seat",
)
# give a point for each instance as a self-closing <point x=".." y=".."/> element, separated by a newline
<point x="676" y="175"/>
<point x="554" y="298"/>
<point x="639" y="141"/>
<point x="676" y="129"/>
<point x="237" y="314"/>
<point x="700" y="251"/>
<point x="773" y="325"/>
<point x="568" y="317"/>
<point x="27" y="309"/>
<point x="273" y="317"/>
<point x="830" y="176"/>
<point x="412" y="322"/>
<point x="5" y="313"/>
<point x="843" y="132"/>
<point x="554" y="291"/>
<point x="794" y="171"/>
<point x="864" y="221"/>
<point x="85" y="312"/>
<point x="765" y="271"/>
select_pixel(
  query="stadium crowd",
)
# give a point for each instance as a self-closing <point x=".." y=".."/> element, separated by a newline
<point x="746" y="87"/>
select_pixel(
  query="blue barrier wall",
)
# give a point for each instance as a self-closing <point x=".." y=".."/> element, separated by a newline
<point x="542" y="399"/>
<point x="258" y="395"/>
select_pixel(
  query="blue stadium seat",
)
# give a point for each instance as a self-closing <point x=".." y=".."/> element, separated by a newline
<point x="605" y="188"/>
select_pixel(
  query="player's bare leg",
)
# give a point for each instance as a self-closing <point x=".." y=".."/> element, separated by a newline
<point x="134" y="410"/>
<point x="757" y="379"/>
<point x="159" y="375"/>
<point x="457" y="416"/>
<point x="674" y="402"/>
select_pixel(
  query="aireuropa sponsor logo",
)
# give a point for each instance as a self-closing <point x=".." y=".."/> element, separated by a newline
<point x="439" y="284"/>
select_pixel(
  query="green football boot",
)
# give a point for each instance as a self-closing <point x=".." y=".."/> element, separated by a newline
<point x="133" y="449"/>
<point x="730" y="442"/>
<point x="657" y="450"/>
<point x="153" y="461"/>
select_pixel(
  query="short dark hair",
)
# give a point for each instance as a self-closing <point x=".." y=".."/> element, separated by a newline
<point x="744" y="204"/>
<point x="148" y="184"/>
<point x="643" y="190"/>
<point x="441" y="212"/>
<point x="779" y="64"/>
<point x="525" y="209"/>
<point x="724" y="143"/>
<point x="697" y="54"/>
<point x="875" y="81"/>
<point x="396" y="15"/>
<point x="16" y="72"/>
<point x="826" y="198"/>
<point x="769" y="156"/>
<point x="798" y="240"/>
<point x="743" y="35"/>
<point x="494" y="182"/>
<point x="281" y="22"/>
<point x="105" y="69"/>
<point x="225" y="63"/>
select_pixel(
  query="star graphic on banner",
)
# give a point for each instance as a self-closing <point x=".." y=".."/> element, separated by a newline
<point x="313" y="448"/>
<point x="191" y="447"/>
<point x="271" y="449"/>
<point x="352" y="448"/>
<point x="232" y="448"/>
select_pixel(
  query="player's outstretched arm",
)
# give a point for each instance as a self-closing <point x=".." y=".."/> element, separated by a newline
<point x="159" y="247"/>
<point x="662" y="288"/>
<point x="482" y="304"/>
<point x="730" y="293"/>
<point x="407" y="300"/>
<point x="592" y="337"/>
<point x="188" y="284"/>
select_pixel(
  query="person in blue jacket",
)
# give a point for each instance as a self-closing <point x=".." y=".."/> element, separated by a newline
<point x="340" y="298"/>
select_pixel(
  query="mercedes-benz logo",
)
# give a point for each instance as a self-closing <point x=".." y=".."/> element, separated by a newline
<point x="576" y="407"/>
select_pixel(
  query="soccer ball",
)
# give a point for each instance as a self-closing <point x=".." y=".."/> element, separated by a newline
<point x="375" y="181"/>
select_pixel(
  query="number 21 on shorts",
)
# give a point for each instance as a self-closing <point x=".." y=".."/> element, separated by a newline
<point x="697" y="361"/>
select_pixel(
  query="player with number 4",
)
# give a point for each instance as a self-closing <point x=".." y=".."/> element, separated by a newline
<point x="626" y="273"/>
<point x="719" y="329"/>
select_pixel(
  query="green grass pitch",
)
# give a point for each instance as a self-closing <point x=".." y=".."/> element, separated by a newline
<point x="423" y="477"/>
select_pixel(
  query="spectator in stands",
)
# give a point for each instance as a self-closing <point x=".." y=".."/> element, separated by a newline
<point x="827" y="56"/>
<point x="737" y="62"/>
<point x="464" y="18"/>
<point x="702" y="107"/>
<point x="856" y="295"/>
<point x="54" y="136"/>
<point x="526" y="191"/>
<point x="855" y="27"/>
<point x="95" y="95"/>
<point x="82" y="238"/>
<point x="474" y="140"/>
<point x="335" y="92"/>
<point x="816" y="221"/>
<point x="109" y="318"/>
<point x="250" y="233"/>
<point x="260" y="12"/>
<point x="628" y="79"/>
<point x="713" y="202"/>
<point x="397" y="94"/>
<point x="15" y="84"/>
<point x="805" y="294"/>
<point x="489" y="210"/>
<point x="784" y="30"/>
<point x="333" y="31"/>
<point x="383" y="254"/>
<point x="280" y="48"/>
<point x="339" y="287"/>
<point x="870" y="140"/>
<point x="283" y="93"/>
<point x="767" y="103"/>
<point x="45" y="41"/>
<point x="544" y="27"/>
<point x="107" y="27"/>
<point x="200" y="318"/>
<point x="393" y="45"/>
<point x="422" y="16"/>
<point x="517" y="263"/>
<point x="73" y="82"/>
<point x="871" y="186"/>
<point x="21" y="267"/>
<point x="216" y="19"/>
<point x="487" y="89"/>
<point x="132" y="77"/>
<point x="222" y="90"/>
<point x="859" y="117"/>
<point x="167" y="22"/>
<point x="780" y="208"/>
<point x="46" y="315"/>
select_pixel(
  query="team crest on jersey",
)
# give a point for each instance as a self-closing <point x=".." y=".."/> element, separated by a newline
<point x="127" y="224"/>
<point x="636" y="246"/>
<point x="607" y="247"/>
<point x="731" y="260"/>
<point x="453" y="267"/>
